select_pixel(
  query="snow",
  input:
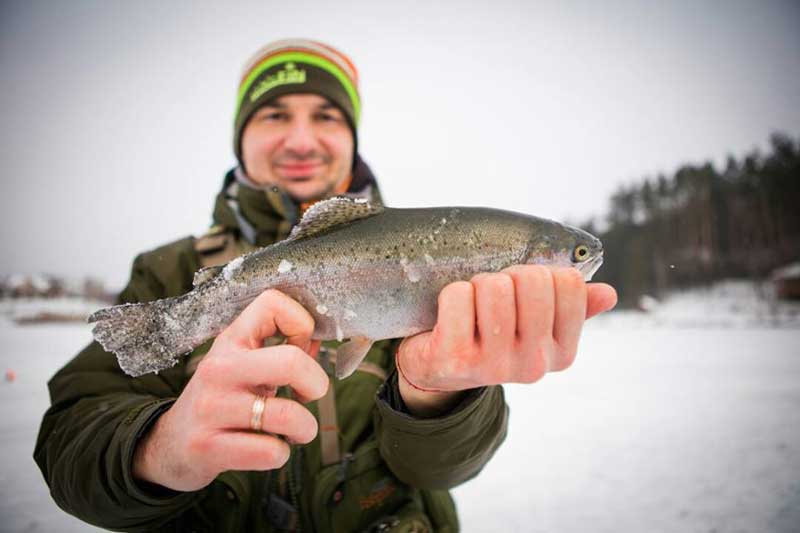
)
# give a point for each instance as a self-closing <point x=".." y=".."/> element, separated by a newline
<point x="788" y="272"/>
<point x="22" y="308"/>
<point x="727" y="304"/>
<point x="231" y="268"/>
<point x="285" y="266"/>
<point x="412" y="272"/>
<point x="34" y="353"/>
<point x="652" y="429"/>
<point x="669" y="421"/>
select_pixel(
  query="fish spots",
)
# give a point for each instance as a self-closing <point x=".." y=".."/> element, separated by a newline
<point x="442" y="223"/>
<point x="285" y="266"/>
<point x="322" y="309"/>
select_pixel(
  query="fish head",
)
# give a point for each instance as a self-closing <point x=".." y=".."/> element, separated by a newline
<point x="552" y="243"/>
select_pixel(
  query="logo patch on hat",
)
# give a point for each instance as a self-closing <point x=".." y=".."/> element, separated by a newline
<point x="288" y="75"/>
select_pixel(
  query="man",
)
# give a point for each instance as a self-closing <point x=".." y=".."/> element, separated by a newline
<point x="207" y="445"/>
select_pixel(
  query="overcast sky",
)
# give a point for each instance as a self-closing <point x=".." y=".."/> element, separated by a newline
<point x="117" y="116"/>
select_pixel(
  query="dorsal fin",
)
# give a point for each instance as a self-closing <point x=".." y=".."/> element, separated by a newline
<point x="332" y="212"/>
<point x="205" y="274"/>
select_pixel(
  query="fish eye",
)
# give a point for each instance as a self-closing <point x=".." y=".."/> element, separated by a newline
<point x="581" y="253"/>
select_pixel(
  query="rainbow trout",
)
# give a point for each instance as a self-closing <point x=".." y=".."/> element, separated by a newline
<point x="365" y="272"/>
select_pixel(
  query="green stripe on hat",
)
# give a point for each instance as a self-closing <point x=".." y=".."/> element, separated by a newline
<point x="300" y="57"/>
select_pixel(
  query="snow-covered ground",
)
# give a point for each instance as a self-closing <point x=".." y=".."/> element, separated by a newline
<point x="672" y="421"/>
<point x="726" y="304"/>
<point x="30" y="308"/>
<point x="652" y="429"/>
<point x="33" y="353"/>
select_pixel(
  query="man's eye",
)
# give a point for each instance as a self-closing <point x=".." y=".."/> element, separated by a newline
<point x="327" y="117"/>
<point x="273" y="116"/>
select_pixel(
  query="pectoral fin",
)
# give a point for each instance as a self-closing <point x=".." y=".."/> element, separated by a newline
<point x="350" y="354"/>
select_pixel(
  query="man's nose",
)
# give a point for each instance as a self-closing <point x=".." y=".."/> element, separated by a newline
<point x="300" y="138"/>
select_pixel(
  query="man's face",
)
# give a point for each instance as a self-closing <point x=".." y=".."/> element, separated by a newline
<point x="299" y="142"/>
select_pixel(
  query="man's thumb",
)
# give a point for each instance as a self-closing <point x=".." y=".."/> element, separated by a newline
<point x="601" y="297"/>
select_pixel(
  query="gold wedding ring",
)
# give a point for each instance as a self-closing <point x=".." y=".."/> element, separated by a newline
<point x="258" y="411"/>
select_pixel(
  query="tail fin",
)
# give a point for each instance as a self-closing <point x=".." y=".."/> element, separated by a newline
<point x="144" y="336"/>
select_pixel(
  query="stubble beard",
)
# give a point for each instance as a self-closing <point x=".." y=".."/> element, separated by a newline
<point x="327" y="192"/>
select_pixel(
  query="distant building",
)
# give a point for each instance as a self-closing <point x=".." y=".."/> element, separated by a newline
<point x="49" y="286"/>
<point x="786" y="281"/>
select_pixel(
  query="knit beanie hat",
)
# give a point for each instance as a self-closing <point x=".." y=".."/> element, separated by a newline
<point x="297" y="66"/>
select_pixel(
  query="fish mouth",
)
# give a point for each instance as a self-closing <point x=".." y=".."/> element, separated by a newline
<point x="588" y="268"/>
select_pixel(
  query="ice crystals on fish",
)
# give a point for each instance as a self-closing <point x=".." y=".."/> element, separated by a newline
<point x="285" y="266"/>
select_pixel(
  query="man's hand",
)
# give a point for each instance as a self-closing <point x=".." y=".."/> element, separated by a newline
<point x="512" y="326"/>
<point x="207" y="430"/>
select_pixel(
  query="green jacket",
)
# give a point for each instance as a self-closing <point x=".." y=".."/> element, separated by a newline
<point x="391" y="472"/>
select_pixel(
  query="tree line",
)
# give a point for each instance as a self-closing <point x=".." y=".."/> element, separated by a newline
<point x="703" y="224"/>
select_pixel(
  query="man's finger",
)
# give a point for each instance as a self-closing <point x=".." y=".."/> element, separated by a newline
<point x="275" y="366"/>
<point x="280" y="416"/>
<point x="455" y="322"/>
<point x="289" y="418"/>
<point x="601" y="297"/>
<point x="533" y="286"/>
<point x="569" y="316"/>
<point x="270" y="313"/>
<point x="313" y="349"/>
<point x="496" y="312"/>
<point x="241" y="450"/>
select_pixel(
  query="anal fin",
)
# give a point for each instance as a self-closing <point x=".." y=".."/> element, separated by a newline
<point x="350" y="354"/>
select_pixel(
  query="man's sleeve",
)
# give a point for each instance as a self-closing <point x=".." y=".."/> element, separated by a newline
<point x="87" y="437"/>
<point x="440" y="453"/>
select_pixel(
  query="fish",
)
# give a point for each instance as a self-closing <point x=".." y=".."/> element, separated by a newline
<point x="364" y="271"/>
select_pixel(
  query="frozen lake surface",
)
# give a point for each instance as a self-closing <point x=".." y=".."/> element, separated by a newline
<point x="652" y="429"/>
<point x="655" y="428"/>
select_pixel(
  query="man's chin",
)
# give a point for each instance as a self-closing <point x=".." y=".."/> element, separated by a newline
<point x="303" y="192"/>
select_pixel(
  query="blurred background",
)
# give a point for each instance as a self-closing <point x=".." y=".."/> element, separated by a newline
<point x="669" y="130"/>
